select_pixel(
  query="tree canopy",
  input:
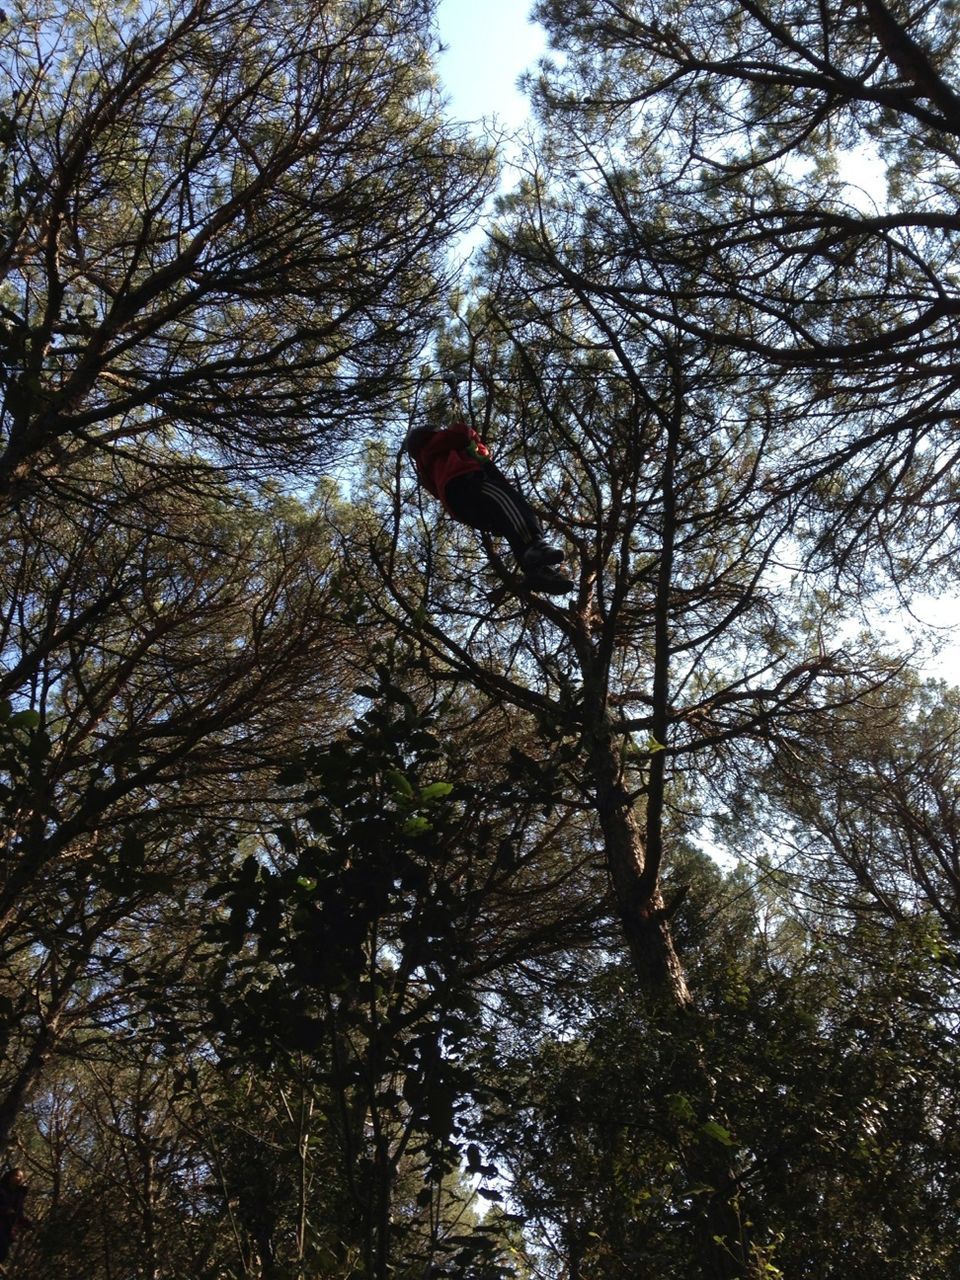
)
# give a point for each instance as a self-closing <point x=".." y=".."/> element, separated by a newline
<point x="224" y="226"/>
<point x="363" y="912"/>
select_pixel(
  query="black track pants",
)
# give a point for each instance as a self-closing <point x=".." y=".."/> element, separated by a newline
<point x="487" y="500"/>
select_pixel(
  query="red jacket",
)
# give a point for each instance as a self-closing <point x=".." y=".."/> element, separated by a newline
<point x="441" y="456"/>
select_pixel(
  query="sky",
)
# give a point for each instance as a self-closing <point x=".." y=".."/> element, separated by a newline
<point x="491" y="42"/>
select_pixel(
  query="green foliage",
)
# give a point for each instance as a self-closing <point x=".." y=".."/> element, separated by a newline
<point x="373" y="1017"/>
<point x="758" y="178"/>
<point x="351" y="938"/>
<point x="834" y="1090"/>
<point x="223" y="224"/>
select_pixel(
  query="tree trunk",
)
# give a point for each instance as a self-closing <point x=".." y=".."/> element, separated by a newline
<point x="724" y="1245"/>
<point x="31" y="1069"/>
<point x="645" y="923"/>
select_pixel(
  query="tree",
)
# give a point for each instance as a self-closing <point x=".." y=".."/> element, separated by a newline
<point x="160" y="657"/>
<point x="222" y="239"/>
<point x="372" y="940"/>
<point x="868" y="815"/>
<point x="663" y="453"/>
<point x="669" y="657"/>
<point x="223" y="224"/>
<point x="838" y="1081"/>
<point x="673" y="324"/>
<point x="742" y="120"/>
<point x="673" y="650"/>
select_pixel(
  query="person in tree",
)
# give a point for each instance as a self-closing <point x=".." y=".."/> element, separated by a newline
<point x="455" y="465"/>
<point x="13" y="1219"/>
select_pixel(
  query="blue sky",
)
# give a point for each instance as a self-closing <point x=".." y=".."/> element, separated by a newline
<point x="490" y="43"/>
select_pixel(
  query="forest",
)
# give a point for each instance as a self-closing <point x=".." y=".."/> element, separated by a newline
<point x="364" y="914"/>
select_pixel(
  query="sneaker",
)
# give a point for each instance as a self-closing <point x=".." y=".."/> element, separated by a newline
<point x="549" y="581"/>
<point x="539" y="555"/>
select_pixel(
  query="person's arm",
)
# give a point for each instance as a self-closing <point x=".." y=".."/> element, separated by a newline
<point x="468" y="440"/>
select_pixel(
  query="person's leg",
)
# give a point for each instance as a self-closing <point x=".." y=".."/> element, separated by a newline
<point x="520" y="526"/>
<point x="488" y="501"/>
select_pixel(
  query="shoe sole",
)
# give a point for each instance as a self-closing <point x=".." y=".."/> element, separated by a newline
<point x="557" y="587"/>
<point x="545" y="561"/>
